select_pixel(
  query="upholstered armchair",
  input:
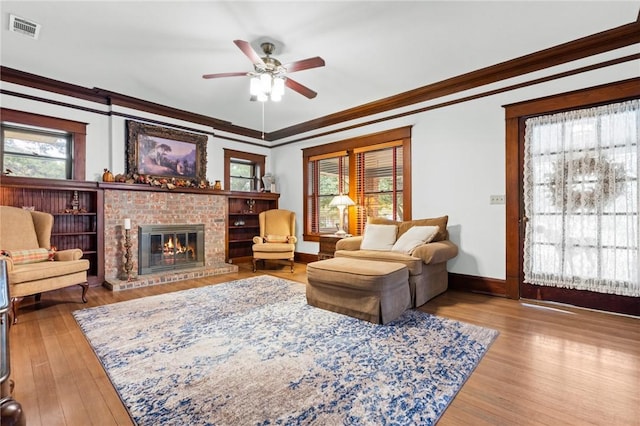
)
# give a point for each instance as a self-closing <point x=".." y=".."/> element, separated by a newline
<point x="33" y="268"/>
<point x="277" y="238"/>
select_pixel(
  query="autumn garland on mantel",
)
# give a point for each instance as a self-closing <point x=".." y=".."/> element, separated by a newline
<point x="582" y="182"/>
<point x="160" y="182"/>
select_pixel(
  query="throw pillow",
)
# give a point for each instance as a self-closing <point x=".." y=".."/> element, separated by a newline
<point x="277" y="239"/>
<point x="378" y="237"/>
<point x="381" y="221"/>
<point x="441" y="222"/>
<point x="20" y="257"/>
<point x="414" y="237"/>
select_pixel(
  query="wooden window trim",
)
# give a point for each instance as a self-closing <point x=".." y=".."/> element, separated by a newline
<point x="257" y="159"/>
<point x="78" y="131"/>
<point x="516" y="114"/>
<point x="399" y="136"/>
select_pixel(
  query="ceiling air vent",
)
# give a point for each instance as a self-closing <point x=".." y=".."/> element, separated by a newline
<point x="23" y="26"/>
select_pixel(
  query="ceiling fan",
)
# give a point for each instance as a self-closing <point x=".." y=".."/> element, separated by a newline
<point x="269" y="76"/>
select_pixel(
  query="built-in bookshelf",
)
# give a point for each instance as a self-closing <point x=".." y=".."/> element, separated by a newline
<point x="77" y="208"/>
<point x="242" y="222"/>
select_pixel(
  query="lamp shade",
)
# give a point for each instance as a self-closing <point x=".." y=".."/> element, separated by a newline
<point x="341" y="200"/>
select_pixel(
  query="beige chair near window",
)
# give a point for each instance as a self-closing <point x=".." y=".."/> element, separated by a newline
<point x="25" y="243"/>
<point x="277" y="240"/>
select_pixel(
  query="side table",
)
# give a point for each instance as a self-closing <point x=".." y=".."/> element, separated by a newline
<point x="328" y="245"/>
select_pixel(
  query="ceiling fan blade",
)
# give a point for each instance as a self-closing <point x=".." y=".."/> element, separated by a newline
<point x="304" y="64"/>
<point x="248" y="51"/>
<point x="225" y="74"/>
<point x="303" y="90"/>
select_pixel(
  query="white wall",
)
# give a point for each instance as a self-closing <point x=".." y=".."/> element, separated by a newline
<point x="107" y="134"/>
<point x="458" y="161"/>
<point x="457" y="158"/>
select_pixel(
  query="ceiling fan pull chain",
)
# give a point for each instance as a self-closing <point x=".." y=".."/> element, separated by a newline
<point x="262" y="119"/>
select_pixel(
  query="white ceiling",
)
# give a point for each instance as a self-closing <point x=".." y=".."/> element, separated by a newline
<point x="158" y="51"/>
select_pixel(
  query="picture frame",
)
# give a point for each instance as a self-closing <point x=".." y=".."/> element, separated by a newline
<point x="164" y="152"/>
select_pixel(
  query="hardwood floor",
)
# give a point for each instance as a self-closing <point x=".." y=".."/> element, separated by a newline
<point x="551" y="364"/>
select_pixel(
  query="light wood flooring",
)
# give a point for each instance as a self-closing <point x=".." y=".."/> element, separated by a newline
<point x="551" y="365"/>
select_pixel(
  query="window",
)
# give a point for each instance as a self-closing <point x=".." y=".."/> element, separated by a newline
<point x="242" y="175"/>
<point x="379" y="183"/>
<point x="581" y="199"/>
<point x="36" y="152"/>
<point x="243" y="170"/>
<point x="373" y="170"/>
<point x="43" y="147"/>
<point x="329" y="176"/>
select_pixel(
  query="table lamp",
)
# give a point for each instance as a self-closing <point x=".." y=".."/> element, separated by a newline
<point x="341" y="201"/>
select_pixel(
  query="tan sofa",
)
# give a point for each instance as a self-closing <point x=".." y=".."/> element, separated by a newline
<point x="23" y="236"/>
<point x="427" y="263"/>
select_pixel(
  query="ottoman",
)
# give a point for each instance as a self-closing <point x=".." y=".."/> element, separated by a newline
<point x="377" y="292"/>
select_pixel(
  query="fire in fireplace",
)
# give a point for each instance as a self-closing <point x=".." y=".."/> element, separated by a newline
<point x="169" y="247"/>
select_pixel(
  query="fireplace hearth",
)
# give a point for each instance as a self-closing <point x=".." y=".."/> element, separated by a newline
<point x="170" y="247"/>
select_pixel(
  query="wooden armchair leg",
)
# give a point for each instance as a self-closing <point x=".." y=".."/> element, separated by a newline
<point x="15" y="304"/>
<point x="85" y="287"/>
<point x="254" y="264"/>
<point x="291" y="260"/>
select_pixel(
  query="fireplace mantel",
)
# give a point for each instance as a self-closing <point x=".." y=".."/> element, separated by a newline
<point x="150" y="188"/>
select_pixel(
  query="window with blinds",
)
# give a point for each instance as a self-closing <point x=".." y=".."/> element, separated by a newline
<point x="373" y="170"/>
<point x="378" y="191"/>
<point x="329" y="176"/>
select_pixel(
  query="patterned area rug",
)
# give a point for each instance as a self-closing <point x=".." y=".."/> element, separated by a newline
<point x="252" y="351"/>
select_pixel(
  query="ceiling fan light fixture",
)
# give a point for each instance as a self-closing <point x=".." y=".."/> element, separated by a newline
<point x="276" y="95"/>
<point x="269" y="76"/>
<point x="255" y="86"/>
<point x="262" y="97"/>
<point x="265" y="82"/>
<point x="278" y="88"/>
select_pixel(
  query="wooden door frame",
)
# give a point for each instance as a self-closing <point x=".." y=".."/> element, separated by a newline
<point x="515" y="116"/>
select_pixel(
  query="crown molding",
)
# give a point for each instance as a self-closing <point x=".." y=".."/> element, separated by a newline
<point x="594" y="44"/>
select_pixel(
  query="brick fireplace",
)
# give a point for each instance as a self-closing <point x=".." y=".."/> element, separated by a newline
<point x="149" y="206"/>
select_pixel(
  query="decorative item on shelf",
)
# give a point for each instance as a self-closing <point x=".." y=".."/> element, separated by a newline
<point x="107" y="176"/>
<point x="269" y="182"/>
<point x="341" y="201"/>
<point x="128" y="264"/>
<point x="75" y="205"/>
<point x="75" y="202"/>
<point x="239" y="223"/>
<point x="217" y="185"/>
<point x="160" y="181"/>
<point x="251" y="203"/>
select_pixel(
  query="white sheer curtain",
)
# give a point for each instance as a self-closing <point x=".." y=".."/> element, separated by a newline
<point x="581" y="199"/>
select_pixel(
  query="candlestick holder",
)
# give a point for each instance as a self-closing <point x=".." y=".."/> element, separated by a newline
<point x="128" y="264"/>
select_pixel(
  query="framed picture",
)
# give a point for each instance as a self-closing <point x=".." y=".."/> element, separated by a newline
<point x="163" y="152"/>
